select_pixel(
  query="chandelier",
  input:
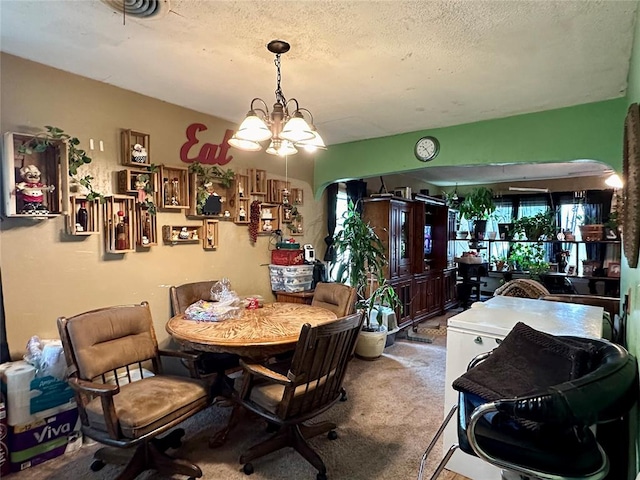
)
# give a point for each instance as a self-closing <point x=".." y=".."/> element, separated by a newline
<point x="285" y="126"/>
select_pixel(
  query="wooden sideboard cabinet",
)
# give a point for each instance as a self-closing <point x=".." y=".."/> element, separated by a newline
<point x="415" y="234"/>
<point x="393" y="221"/>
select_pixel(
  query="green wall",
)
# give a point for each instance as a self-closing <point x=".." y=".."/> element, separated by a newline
<point x="630" y="277"/>
<point x="591" y="131"/>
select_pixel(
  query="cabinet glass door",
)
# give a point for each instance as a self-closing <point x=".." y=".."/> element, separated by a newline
<point x="404" y="234"/>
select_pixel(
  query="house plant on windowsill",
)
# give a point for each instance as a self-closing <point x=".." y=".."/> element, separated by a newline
<point x="477" y="207"/>
<point x="538" y="227"/>
<point x="360" y="262"/>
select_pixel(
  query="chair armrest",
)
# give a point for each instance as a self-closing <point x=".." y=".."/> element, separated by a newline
<point x="264" y="372"/>
<point x="189" y="359"/>
<point x="100" y="389"/>
<point x="106" y="392"/>
<point x="179" y="354"/>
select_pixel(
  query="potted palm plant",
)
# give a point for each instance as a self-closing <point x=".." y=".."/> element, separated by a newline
<point x="477" y="207"/>
<point x="360" y="262"/>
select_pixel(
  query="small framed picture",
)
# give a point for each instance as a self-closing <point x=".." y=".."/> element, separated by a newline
<point x="614" y="269"/>
<point x="571" y="270"/>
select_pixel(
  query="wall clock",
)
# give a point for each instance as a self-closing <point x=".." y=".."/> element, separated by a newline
<point x="631" y="189"/>
<point x="426" y="149"/>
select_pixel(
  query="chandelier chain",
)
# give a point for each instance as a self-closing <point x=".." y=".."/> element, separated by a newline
<point x="279" y="95"/>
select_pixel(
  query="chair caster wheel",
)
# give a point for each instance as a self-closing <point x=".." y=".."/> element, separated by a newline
<point x="247" y="469"/>
<point x="321" y="476"/>
<point x="343" y="395"/>
<point x="272" y="427"/>
<point x="332" y="435"/>
<point x="97" y="465"/>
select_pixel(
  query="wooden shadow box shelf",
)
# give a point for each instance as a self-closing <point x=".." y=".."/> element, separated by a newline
<point x="175" y="234"/>
<point x="117" y="241"/>
<point x="53" y="164"/>
<point x="75" y="220"/>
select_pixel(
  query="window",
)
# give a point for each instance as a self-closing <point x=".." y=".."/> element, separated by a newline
<point x="341" y="210"/>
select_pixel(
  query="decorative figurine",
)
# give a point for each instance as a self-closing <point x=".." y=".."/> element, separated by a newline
<point x="266" y="213"/>
<point x="141" y="185"/>
<point x="213" y="203"/>
<point x="227" y="213"/>
<point x="242" y="214"/>
<point x="184" y="234"/>
<point x="145" y="240"/>
<point x="267" y="227"/>
<point x="240" y="190"/>
<point x="194" y="235"/>
<point x="32" y="191"/>
<point x="138" y="154"/>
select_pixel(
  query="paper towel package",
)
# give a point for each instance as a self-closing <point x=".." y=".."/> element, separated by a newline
<point x="4" y="441"/>
<point x="34" y="443"/>
<point x="30" y="398"/>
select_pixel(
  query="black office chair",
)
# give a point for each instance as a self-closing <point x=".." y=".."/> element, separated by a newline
<point x="527" y="406"/>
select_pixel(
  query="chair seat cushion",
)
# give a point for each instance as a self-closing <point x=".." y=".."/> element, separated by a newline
<point x="147" y="404"/>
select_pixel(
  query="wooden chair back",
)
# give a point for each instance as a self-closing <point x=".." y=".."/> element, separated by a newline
<point x="109" y="343"/>
<point x="523" y="288"/>
<point x="318" y="367"/>
<point x="337" y="297"/>
<point x="184" y="295"/>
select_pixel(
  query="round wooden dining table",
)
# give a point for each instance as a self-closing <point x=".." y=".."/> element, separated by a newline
<point x="259" y="333"/>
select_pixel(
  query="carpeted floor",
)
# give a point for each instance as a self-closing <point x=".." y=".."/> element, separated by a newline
<point x="395" y="405"/>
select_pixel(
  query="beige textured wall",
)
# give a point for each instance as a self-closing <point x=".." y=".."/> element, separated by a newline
<point x="47" y="274"/>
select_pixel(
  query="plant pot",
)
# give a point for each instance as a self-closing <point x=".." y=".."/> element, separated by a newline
<point x="592" y="233"/>
<point x="533" y="233"/>
<point x="479" y="229"/>
<point x="371" y="344"/>
<point x="504" y="229"/>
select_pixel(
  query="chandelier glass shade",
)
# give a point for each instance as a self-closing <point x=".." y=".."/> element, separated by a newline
<point x="285" y="126"/>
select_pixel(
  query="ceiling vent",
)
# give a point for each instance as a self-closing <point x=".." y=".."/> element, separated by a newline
<point x="139" y="8"/>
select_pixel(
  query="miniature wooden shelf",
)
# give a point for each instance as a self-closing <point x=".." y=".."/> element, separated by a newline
<point x="269" y="218"/>
<point x="275" y="192"/>
<point x="241" y="186"/>
<point x="146" y="228"/>
<point x="240" y="200"/>
<point x="75" y="220"/>
<point x="200" y="206"/>
<point x="295" y="227"/>
<point x="131" y="138"/>
<point x="297" y="196"/>
<point x="181" y="233"/>
<point x="257" y="182"/>
<point x="114" y="204"/>
<point x="53" y="164"/>
<point x="175" y="188"/>
<point x="133" y="182"/>
<point x="210" y="237"/>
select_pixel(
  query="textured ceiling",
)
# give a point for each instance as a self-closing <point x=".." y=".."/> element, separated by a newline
<point x="365" y="69"/>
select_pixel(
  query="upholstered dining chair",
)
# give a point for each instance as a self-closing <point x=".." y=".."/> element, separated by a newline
<point x="523" y="288"/>
<point x="121" y="404"/>
<point x="208" y="363"/>
<point x="337" y="297"/>
<point x="311" y="386"/>
<point x="527" y="407"/>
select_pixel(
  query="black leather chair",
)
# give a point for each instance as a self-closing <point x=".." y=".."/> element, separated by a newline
<point x="544" y="432"/>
